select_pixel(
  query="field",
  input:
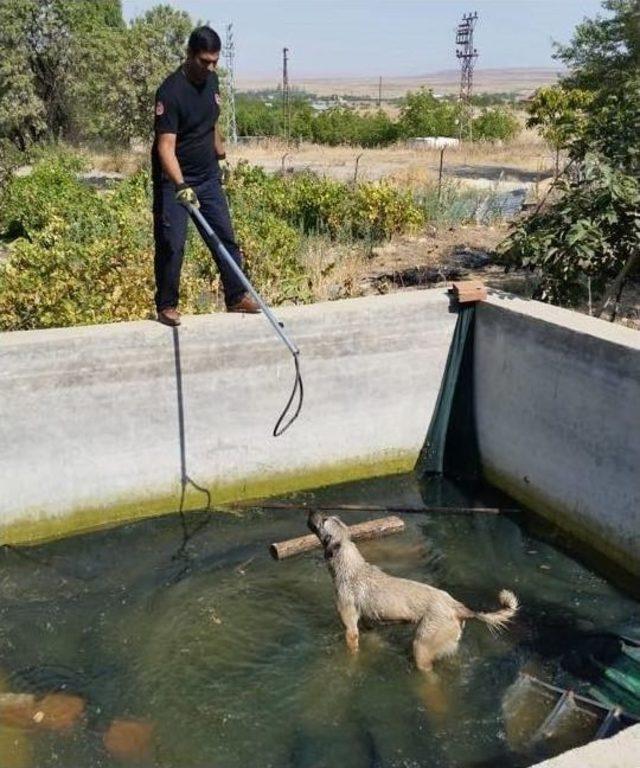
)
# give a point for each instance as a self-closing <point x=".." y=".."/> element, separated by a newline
<point x="524" y="160"/>
<point x="520" y="81"/>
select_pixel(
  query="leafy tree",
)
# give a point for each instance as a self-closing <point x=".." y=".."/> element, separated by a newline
<point x="612" y="125"/>
<point x="496" y="124"/>
<point x="604" y="60"/>
<point x="75" y="70"/>
<point x="23" y="113"/>
<point x="255" y="117"/>
<point x="44" y="45"/>
<point x="422" y="114"/>
<point x="584" y="239"/>
<point x="604" y="50"/>
<point x="559" y="113"/>
<point x="119" y="75"/>
<point x="588" y="239"/>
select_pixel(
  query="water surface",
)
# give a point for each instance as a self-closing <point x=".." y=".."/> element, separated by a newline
<point x="239" y="660"/>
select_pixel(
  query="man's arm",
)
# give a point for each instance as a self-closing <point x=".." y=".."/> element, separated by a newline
<point x="218" y="143"/>
<point x="168" y="159"/>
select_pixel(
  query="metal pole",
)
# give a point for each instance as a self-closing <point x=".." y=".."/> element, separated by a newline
<point x="277" y="325"/>
<point x="440" y="173"/>
<point x="355" y="172"/>
<point x="285" y="94"/>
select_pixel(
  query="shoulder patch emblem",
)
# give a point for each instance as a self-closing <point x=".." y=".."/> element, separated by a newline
<point x="217" y="98"/>
<point x="159" y="108"/>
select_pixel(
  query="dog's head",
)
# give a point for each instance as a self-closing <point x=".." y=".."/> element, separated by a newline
<point x="331" y="531"/>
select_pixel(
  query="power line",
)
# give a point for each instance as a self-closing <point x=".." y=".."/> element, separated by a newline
<point x="286" y="107"/>
<point x="467" y="55"/>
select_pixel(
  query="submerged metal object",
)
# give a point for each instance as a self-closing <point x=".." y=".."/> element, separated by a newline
<point x="544" y="720"/>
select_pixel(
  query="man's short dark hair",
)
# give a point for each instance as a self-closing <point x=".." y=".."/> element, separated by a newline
<point x="204" y="40"/>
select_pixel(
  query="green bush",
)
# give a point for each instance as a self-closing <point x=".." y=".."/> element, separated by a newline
<point x="343" y="125"/>
<point x="315" y="204"/>
<point x="496" y="124"/>
<point x="272" y="248"/>
<point x="423" y="114"/>
<point x="583" y="238"/>
<point x="380" y="211"/>
<point x="77" y="256"/>
<point x="51" y="189"/>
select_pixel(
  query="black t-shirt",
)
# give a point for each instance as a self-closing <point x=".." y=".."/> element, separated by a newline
<point x="191" y="112"/>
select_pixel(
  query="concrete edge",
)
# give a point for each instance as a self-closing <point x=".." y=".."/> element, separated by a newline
<point x="568" y="319"/>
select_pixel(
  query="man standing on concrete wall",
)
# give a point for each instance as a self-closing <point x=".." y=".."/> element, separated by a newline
<point x="184" y="158"/>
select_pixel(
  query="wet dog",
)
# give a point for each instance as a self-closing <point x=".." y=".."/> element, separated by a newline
<point x="363" y="591"/>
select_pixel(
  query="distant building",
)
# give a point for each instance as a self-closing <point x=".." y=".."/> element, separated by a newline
<point x="433" y="142"/>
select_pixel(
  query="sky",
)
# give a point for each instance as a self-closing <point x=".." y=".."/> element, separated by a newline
<point x="382" y="37"/>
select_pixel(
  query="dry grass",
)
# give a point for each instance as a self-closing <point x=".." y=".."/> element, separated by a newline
<point x="402" y="163"/>
<point x="335" y="271"/>
<point x="125" y="161"/>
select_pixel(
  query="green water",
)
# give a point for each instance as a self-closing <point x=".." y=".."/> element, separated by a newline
<point x="239" y="660"/>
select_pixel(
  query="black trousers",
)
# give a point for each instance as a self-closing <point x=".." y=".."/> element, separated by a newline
<point x="170" y="221"/>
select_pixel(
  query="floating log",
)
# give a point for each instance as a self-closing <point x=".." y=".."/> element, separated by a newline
<point x="372" y="529"/>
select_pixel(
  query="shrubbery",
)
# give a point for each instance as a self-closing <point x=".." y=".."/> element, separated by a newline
<point x="422" y="114"/>
<point x="77" y="256"/>
<point x="318" y="205"/>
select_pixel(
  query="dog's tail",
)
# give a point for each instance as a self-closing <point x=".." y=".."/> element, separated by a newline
<point x="497" y="620"/>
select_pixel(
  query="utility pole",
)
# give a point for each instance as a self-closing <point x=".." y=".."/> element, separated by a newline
<point x="286" y="110"/>
<point x="379" y="91"/>
<point x="467" y="55"/>
<point x="229" y="58"/>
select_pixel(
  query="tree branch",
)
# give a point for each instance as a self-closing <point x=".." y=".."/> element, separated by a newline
<point x="612" y="296"/>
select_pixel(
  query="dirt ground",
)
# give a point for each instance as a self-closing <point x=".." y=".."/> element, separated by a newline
<point x="526" y="160"/>
<point x="443" y="255"/>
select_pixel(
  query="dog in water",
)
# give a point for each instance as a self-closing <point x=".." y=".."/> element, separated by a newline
<point x="363" y="591"/>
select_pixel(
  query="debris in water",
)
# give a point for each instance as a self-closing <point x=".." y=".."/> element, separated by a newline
<point x="129" y="739"/>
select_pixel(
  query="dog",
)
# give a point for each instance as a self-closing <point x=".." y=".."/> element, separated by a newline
<point x="364" y="591"/>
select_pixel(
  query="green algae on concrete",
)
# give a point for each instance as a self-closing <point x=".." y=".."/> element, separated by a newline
<point x="34" y="528"/>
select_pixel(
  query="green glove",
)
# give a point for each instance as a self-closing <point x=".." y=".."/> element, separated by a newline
<point x="186" y="195"/>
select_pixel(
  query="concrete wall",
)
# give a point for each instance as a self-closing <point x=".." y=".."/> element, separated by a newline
<point x="99" y="423"/>
<point x="558" y="417"/>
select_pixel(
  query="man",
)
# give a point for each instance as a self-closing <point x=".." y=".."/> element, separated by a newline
<point x="185" y="155"/>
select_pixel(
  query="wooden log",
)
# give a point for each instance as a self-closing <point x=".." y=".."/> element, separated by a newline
<point x="468" y="291"/>
<point x="372" y="529"/>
